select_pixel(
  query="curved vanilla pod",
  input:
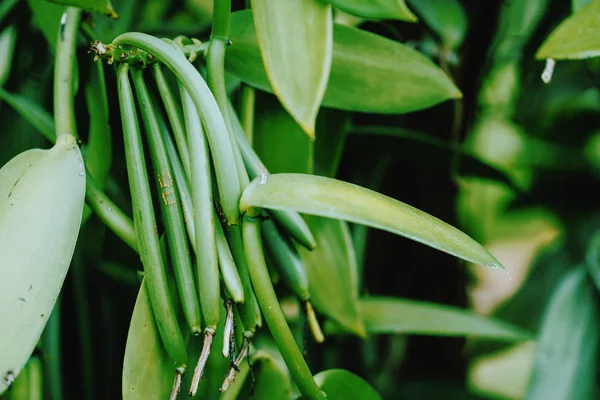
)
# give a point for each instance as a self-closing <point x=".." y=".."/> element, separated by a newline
<point x="204" y="227"/>
<point x="271" y="309"/>
<point x="290" y="221"/>
<point x="206" y="106"/>
<point x="154" y="268"/>
<point x="175" y="119"/>
<point x="229" y="272"/>
<point x="41" y="204"/>
<point x="169" y="206"/>
<point x="287" y="260"/>
<point x="249" y="311"/>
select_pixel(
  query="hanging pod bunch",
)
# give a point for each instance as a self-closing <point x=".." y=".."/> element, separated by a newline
<point x="224" y="216"/>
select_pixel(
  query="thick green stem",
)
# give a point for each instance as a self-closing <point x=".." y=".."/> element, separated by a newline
<point x="64" y="108"/>
<point x="109" y="213"/>
<point x="272" y="311"/>
<point x="215" y="74"/>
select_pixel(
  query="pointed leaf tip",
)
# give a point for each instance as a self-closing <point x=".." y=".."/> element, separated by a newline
<point x="336" y="199"/>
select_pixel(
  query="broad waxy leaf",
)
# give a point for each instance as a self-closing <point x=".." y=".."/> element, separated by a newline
<point x="386" y="315"/>
<point x="341" y="200"/>
<point x="445" y="17"/>
<point x="376" y="9"/>
<point x="41" y="203"/>
<point x="565" y="363"/>
<point x="577" y="37"/>
<point x="369" y="73"/>
<point x="103" y="7"/>
<point x="340" y="384"/>
<point x="296" y="42"/>
<point x="332" y="273"/>
<point x="147" y="370"/>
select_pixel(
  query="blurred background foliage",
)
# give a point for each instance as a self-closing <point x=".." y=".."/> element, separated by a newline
<point x="514" y="163"/>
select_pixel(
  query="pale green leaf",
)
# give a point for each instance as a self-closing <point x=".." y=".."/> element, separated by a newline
<point x="147" y="370"/>
<point x="388" y="315"/>
<point x="369" y="73"/>
<point x="341" y="200"/>
<point x="445" y="17"/>
<point x="577" y="4"/>
<point x="376" y="9"/>
<point x="565" y="363"/>
<point x="577" y="37"/>
<point x="340" y="384"/>
<point x="296" y="40"/>
<point x="332" y="273"/>
<point x="103" y="7"/>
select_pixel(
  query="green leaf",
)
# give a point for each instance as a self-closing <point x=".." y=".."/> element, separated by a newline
<point x="98" y="152"/>
<point x="376" y="9"/>
<point x="369" y="73"/>
<point x="47" y="17"/>
<point x="296" y="41"/>
<point x="340" y="384"/>
<point x="341" y="200"/>
<point x="8" y="38"/>
<point x="147" y="370"/>
<point x="577" y="37"/>
<point x="103" y="7"/>
<point x="387" y="315"/>
<point x="445" y="17"/>
<point x="332" y="129"/>
<point x="273" y="380"/>
<point x="279" y="141"/>
<point x="332" y="273"/>
<point x="32" y="112"/>
<point x="565" y="363"/>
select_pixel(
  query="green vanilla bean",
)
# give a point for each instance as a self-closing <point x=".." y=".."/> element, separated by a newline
<point x="171" y="107"/>
<point x="249" y="311"/>
<point x="204" y="228"/>
<point x="287" y="260"/>
<point x="154" y="269"/>
<point x="229" y="272"/>
<point x="169" y="206"/>
<point x="204" y="219"/>
<point x="272" y="311"/>
<point x="206" y="106"/>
